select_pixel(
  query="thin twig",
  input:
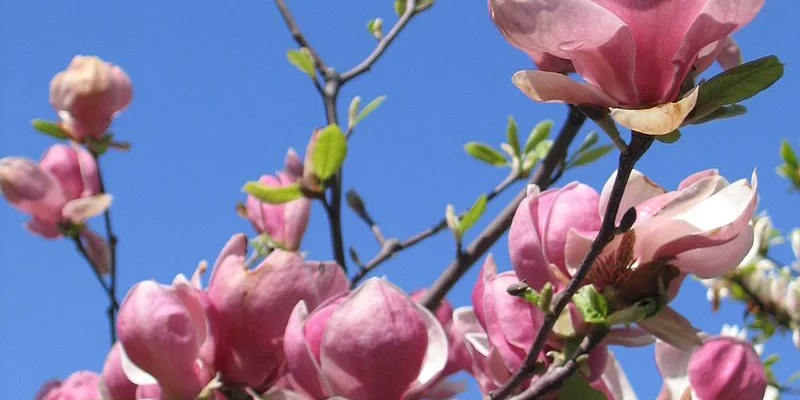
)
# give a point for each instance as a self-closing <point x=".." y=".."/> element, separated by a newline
<point x="780" y="316"/>
<point x="383" y="44"/>
<point x="113" y="307"/>
<point x="298" y="36"/>
<point x="638" y="146"/>
<point x="106" y="287"/>
<point x="555" y="377"/>
<point x="493" y="232"/>
<point x="390" y="247"/>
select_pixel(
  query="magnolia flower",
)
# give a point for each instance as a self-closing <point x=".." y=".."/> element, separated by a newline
<point x="284" y="223"/>
<point x="629" y="58"/>
<point x="375" y="343"/>
<point x="162" y="330"/>
<point x="701" y="229"/>
<point x="115" y="384"/>
<point x="81" y="385"/>
<point x="254" y="306"/>
<point x="721" y="368"/>
<point x="88" y="95"/>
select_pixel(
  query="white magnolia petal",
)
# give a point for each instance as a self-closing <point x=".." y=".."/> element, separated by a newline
<point x="658" y="120"/>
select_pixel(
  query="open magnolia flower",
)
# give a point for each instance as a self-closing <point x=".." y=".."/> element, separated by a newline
<point x="703" y="228"/>
<point x="628" y="56"/>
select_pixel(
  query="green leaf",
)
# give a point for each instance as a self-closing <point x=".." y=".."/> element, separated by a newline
<point x="736" y="84"/>
<point x="539" y="133"/>
<point x="369" y="109"/>
<point x="330" y="152"/>
<point x="273" y="194"/>
<point x="352" y="111"/>
<point x="592" y="305"/>
<point x="513" y="135"/>
<point x="303" y="61"/>
<point x="542" y="149"/>
<point x="485" y="153"/>
<point x="723" y="112"/>
<point x="788" y="155"/>
<point x="399" y="7"/>
<point x="471" y="217"/>
<point x="771" y="360"/>
<point x="52" y="129"/>
<point x="576" y="387"/>
<point x="669" y="138"/>
<point x="794" y="377"/>
<point x="590" y="140"/>
<point x="592" y="155"/>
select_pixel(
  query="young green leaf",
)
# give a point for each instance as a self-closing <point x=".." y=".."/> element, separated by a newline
<point x="369" y="109"/>
<point x="375" y="27"/>
<point x="352" y="111"/>
<point x="485" y="153"/>
<point x="539" y="133"/>
<point x="303" y="61"/>
<point x="788" y="155"/>
<point x="724" y="112"/>
<point x="399" y="7"/>
<point x="576" y="387"/>
<point x="512" y="132"/>
<point x="273" y="194"/>
<point x="542" y="149"/>
<point x="471" y="217"/>
<point x="591" y="156"/>
<point x="591" y="304"/>
<point x="51" y="129"/>
<point x="590" y="140"/>
<point x="330" y="152"/>
<point x="669" y="138"/>
<point x="735" y="85"/>
<point x="453" y="222"/>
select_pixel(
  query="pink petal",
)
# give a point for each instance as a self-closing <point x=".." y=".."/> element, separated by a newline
<point x="638" y="190"/>
<point x="673" y="365"/>
<point x="671" y="327"/>
<point x="302" y="364"/>
<point x="356" y="351"/>
<point x="551" y="87"/>
<point x="436" y="355"/>
<point x="84" y="208"/>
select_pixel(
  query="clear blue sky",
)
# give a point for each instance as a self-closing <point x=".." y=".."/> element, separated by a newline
<point x="216" y="104"/>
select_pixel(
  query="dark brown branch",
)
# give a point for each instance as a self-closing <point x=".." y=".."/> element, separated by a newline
<point x="383" y="44"/>
<point x="636" y="149"/>
<point x="555" y="378"/>
<point x="493" y="232"/>
<point x="108" y="289"/>
<point x="113" y="306"/>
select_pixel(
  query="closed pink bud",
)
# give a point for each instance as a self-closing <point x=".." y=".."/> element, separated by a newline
<point x="293" y="165"/>
<point x="31" y="189"/>
<point x="74" y="168"/>
<point x="727" y="368"/>
<point x="344" y="348"/>
<point x="116" y="384"/>
<point x="284" y="223"/>
<point x="83" y="385"/>
<point x="540" y="227"/>
<point x="88" y="94"/>
<point x="161" y="329"/>
<point x="611" y="43"/>
<point x="253" y="307"/>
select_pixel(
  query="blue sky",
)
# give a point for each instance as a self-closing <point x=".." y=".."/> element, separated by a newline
<point x="216" y="104"/>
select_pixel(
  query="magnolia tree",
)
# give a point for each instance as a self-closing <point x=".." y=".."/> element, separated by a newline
<point x="592" y="268"/>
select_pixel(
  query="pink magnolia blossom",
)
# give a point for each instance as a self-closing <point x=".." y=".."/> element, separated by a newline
<point x="116" y="384"/>
<point x="722" y="368"/>
<point x="626" y="53"/>
<point x="701" y="229"/>
<point x="284" y="223"/>
<point x="83" y="385"/>
<point x="88" y="95"/>
<point x="253" y="307"/>
<point x="499" y="329"/>
<point x="375" y="343"/>
<point x="162" y="330"/>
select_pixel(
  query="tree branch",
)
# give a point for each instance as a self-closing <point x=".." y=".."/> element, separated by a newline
<point x="554" y="378"/>
<point x="779" y="315"/>
<point x="383" y="44"/>
<point x="298" y="36"/>
<point x="627" y="160"/>
<point x="493" y="232"/>
<point x="112" y="249"/>
<point x="113" y="306"/>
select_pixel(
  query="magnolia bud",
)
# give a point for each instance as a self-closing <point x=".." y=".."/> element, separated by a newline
<point x="88" y="94"/>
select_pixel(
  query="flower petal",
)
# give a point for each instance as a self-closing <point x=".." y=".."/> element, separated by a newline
<point x="551" y="87"/>
<point x="81" y="209"/>
<point x="659" y="120"/>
